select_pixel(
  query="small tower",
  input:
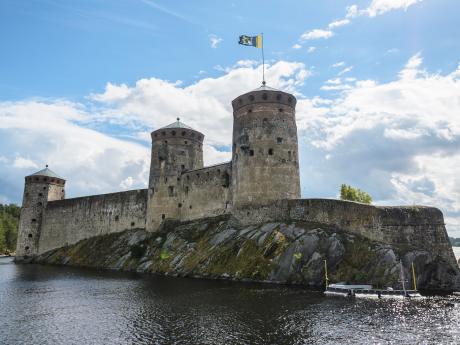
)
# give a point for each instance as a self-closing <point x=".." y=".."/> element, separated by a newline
<point x="175" y="148"/>
<point x="265" y="165"/>
<point x="41" y="187"/>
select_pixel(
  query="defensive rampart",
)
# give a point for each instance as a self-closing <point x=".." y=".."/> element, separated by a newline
<point x="68" y="221"/>
<point x="418" y="226"/>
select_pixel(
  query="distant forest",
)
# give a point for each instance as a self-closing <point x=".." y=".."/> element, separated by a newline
<point x="454" y="241"/>
<point x="9" y="218"/>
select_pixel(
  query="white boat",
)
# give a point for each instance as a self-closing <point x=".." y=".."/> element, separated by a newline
<point x="367" y="291"/>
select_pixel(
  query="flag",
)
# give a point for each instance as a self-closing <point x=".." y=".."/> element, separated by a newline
<point x="254" y="41"/>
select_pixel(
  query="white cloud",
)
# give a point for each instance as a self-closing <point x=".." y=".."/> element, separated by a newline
<point x="296" y="46"/>
<point x="345" y="70"/>
<point x="311" y="50"/>
<point x="338" y="23"/>
<point x="379" y="7"/>
<point x="127" y="183"/>
<point x="24" y="163"/>
<point x="215" y="40"/>
<point x="316" y="34"/>
<point x="339" y="64"/>
<point x="352" y="11"/>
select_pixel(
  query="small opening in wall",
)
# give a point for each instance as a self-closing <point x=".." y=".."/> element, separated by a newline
<point x="166" y="141"/>
<point x="173" y="132"/>
<point x="182" y="167"/>
<point x="183" y="134"/>
<point x="40" y="194"/>
<point x="250" y="111"/>
<point x="40" y="203"/>
<point x="44" y="188"/>
<point x="248" y="213"/>
<point x="197" y="175"/>
<point x="270" y="152"/>
<point x="155" y="135"/>
<point x="30" y="236"/>
<point x="240" y="101"/>
<point x="117" y="217"/>
<point x="163" y="216"/>
<point x="163" y="133"/>
<point x="280" y="110"/>
<point x="289" y="99"/>
<point x="26" y="248"/>
<point x="251" y="152"/>
<point x="185" y="142"/>
<point x="279" y="140"/>
<point x="132" y="223"/>
<point x="289" y="155"/>
<point x="186" y="190"/>
<point x="34" y="220"/>
<point x="188" y="177"/>
<point x="193" y="135"/>
<point x="179" y="205"/>
<point x="278" y="97"/>
<point x="264" y="96"/>
<point x="166" y="179"/>
<point x="178" y="179"/>
<point x="171" y="190"/>
<point x="190" y="207"/>
<point x="36" y="179"/>
<point x="251" y="98"/>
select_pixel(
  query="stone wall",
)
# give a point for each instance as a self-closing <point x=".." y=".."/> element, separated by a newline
<point x="417" y="226"/>
<point x="69" y="221"/>
<point x="205" y="192"/>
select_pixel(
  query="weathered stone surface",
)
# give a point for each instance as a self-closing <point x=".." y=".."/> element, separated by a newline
<point x="214" y="248"/>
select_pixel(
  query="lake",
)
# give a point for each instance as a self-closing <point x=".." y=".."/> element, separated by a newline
<point x="62" y="305"/>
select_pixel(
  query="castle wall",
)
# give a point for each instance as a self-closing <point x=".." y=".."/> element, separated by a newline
<point x="205" y="192"/>
<point x="418" y="226"/>
<point x="68" y="221"/>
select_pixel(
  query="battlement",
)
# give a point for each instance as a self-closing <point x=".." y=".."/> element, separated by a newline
<point x="262" y="95"/>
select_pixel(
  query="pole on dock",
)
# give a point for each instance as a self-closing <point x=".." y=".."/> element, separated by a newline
<point x="325" y="274"/>
<point x="413" y="277"/>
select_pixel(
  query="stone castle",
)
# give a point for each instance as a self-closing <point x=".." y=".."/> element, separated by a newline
<point x="264" y="169"/>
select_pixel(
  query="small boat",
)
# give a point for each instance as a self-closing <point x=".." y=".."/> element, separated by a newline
<point x="367" y="291"/>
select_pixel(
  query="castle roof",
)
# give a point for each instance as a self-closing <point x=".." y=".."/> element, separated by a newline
<point x="47" y="172"/>
<point x="178" y="124"/>
<point x="264" y="87"/>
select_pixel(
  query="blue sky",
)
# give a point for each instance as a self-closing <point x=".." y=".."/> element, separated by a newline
<point x="82" y="83"/>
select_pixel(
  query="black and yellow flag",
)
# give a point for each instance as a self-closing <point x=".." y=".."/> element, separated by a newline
<point x="254" y="41"/>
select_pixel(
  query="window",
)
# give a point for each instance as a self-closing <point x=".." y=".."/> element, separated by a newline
<point x="34" y="220"/>
<point x="39" y="204"/>
<point x="278" y="97"/>
<point x="186" y="190"/>
<point x="280" y="110"/>
<point x="40" y="194"/>
<point x="183" y="134"/>
<point x="30" y="236"/>
<point x="166" y="141"/>
<point x="44" y="188"/>
<point x="166" y="179"/>
<point x="251" y="152"/>
<point x="270" y="152"/>
<point x="163" y="133"/>
<point x="171" y="190"/>
<point x="163" y="216"/>
<point x="179" y="205"/>
<point x="279" y="140"/>
<point x="264" y="96"/>
<point x="289" y="99"/>
<point x="173" y="132"/>
<point x="185" y="142"/>
<point x="190" y="207"/>
<point x="289" y="155"/>
<point x="251" y="98"/>
<point x="250" y="111"/>
<point x="132" y="224"/>
<point x="117" y="217"/>
<point x="178" y="179"/>
<point x="27" y="248"/>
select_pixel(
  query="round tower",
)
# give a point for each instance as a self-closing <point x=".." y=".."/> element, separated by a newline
<point x="39" y="188"/>
<point x="265" y="165"/>
<point x="175" y="148"/>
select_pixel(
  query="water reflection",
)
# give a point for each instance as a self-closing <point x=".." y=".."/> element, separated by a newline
<point x="60" y="305"/>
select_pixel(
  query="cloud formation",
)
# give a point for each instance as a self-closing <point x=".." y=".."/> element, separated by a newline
<point x="215" y="40"/>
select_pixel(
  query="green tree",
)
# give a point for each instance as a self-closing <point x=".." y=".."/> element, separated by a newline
<point x="354" y="194"/>
<point x="9" y="219"/>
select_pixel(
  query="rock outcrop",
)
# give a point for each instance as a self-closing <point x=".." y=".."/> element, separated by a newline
<point x="278" y="252"/>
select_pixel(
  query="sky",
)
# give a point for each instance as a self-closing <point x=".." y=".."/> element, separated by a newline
<point x="83" y="83"/>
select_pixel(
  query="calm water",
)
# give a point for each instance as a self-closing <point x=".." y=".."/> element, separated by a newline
<point x="55" y="305"/>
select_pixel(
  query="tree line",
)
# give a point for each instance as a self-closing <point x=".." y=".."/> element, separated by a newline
<point x="9" y="219"/>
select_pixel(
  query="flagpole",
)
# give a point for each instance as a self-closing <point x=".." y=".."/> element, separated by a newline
<point x="263" y="60"/>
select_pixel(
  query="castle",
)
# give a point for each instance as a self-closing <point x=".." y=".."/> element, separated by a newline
<point x="264" y="168"/>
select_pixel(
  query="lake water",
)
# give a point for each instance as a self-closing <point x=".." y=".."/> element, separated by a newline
<point x="61" y="305"/>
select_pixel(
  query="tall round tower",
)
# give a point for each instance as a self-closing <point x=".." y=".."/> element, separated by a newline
<point x="40" y="187"/>
<point x="175" y="148"/>
<point x="265" y="165"/>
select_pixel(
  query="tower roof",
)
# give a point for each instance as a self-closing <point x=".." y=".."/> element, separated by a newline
<point x="178" y="124"/>
<point x="264" y="87"/>
<point x="47" y="172"/>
